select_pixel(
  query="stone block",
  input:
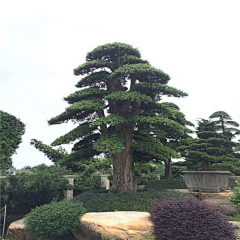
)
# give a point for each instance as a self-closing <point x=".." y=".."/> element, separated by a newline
<point x="116" y="225"/>
<point x="16" y="231"/>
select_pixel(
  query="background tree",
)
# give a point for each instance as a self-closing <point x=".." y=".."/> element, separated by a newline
<point x="210" y="150"/>
<point x="160" y="144"/>
<point x="11" y="129"/>
<point x="225" y="124"/>
<point x="116" y="92"/>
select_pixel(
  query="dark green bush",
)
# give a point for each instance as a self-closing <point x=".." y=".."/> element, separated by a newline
<point x="3" y="191"/>
<point x="83" y="183"/>
<point x="166" y="184"/>
<point x="232" y="183"/>
<point x="3" y="186"/>
<point x="27" y="191"/>
<point x="235" y="198"/>
<point x="189" y="219"/>
<point x="55" y="220"/>
<point x="129" y="201"/>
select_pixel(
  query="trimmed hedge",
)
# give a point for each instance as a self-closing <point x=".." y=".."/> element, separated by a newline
<point x="129" y="201"/>
<point x="55" y="220"/>
<point x="189" y="219"/>
<point x="166" y="184"/>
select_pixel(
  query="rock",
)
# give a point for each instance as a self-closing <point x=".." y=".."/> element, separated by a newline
<point x="236" y="226"/>
<point x="16" y="231"/>
<point x="115" y="225"/>
<point x="222" y="205"/>
<point x="220" y="195"/>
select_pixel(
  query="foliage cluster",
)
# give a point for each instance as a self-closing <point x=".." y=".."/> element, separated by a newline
<point x="128" y="201"/>
<point x="28" y="190"/>
<point x="83" y="183"/>
<point x="3" y="186"/>
<point x="55" y="220"/>
<point x="213" y="149"/>
<point x="166" y="184"/>
<point x="147" y="171"/>
<point x="232" y="183"/>
<point x="189" y="219"/>
<point x="235" y="198"/>
<point x="84" y="180"/>
<point x="11" y="129"/>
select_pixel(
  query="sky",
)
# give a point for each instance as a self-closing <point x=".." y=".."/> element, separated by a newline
<point x="196" y="42"/>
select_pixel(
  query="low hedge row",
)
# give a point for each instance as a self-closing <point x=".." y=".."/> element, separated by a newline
<point x="108" y="202"/>
<point x="166" y="184"/>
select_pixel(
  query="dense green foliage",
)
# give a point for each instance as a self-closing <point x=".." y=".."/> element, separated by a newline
<point x="166" y="184"/>
<point x="166" y="138"/>
<point x="83" y="183"/>
<point x="235" y="198"/>
<point x="128" y="201"/>
<point x="55" y="155"/>
<point x="117" y="104"/>
<point x="55" y="220"/>
<point x="211" y="150"/>
<point x="232" y="183"/>
<point x="11" y="130"/>
<point x="28" y="190"/>
<point x="225" y="124"/>
<point x="3" y="186"/>
<point x="147" y="171"/>
<point x="189" y="219"/>
<point x="234" y="218"/>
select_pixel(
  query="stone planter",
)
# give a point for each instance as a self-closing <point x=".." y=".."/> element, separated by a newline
<point x="207" y="181"/>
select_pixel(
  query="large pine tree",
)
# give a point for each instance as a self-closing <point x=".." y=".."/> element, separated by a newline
<point x="118" y="95"/>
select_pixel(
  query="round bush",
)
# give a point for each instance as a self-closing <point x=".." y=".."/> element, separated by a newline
<point x="189" y="219"/>
<point x="55" y="220"/>
<point x="128" y="201"/>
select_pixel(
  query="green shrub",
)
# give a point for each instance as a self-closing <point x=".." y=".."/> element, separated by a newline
<point x="235" y="198"/>
<point x="234" y="218"/>
<point x="129" y="201"/>
<point x="232" y="183"/>
<point x="3" y="186"/>
<point x="83" y="183"/>
<point x="55" y="220"/>
<point x="27" y="191"/>
<point x="3" y="191"/>
<point x="166" y="184"/>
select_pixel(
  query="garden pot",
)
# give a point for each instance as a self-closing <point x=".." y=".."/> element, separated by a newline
<point x="207" y="181"/>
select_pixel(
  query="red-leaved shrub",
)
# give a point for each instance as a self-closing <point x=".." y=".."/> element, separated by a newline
<point x="189" y="219"/>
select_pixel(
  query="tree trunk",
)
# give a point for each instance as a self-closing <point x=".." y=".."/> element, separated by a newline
<point x="168" y="170"/>
<point x="123" y="165"/>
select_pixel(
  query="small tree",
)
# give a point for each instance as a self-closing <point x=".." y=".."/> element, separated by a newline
<point x="11" y="129"/>
<point x="210" y="150"/>
<point x="225" y="124"/>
